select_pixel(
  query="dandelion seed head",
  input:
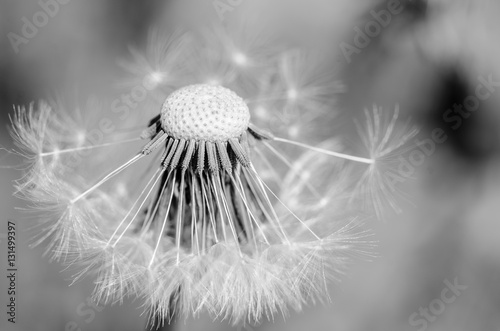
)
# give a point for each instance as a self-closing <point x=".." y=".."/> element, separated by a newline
<point x="204" y="112"/>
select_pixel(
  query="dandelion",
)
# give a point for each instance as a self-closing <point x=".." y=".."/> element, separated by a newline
<point x="188" y="222"/>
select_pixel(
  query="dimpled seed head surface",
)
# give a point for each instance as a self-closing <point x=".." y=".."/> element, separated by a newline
<point x="204" y="112"/>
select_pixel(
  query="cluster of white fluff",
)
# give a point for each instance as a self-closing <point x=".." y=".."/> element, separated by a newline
<point x="96" y="225"/>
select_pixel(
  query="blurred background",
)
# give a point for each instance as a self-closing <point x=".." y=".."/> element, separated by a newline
<point x="439" y="60"/>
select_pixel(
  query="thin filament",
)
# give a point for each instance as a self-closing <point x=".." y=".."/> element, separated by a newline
<point x="158" y="176"/>
<point x="281" y="202"/>
<point x="292" y="168"/>
<point x="108" y="176"/>
<point x="82" y="148"/>
<point x="179" y="220"/>
<point x="163" y="223"/>
<point x="327" y="152"/>
<point x="243" y="198"/>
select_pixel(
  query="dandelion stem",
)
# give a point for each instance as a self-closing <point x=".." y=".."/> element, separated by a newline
<point x="283" y="204"/>
<point x="228" y="214"/>
<point x="108" y="176"/>
<point x="164" y="223"/>
<point x="327" y="152"/>
<point x="292" y="168"/>
<point x="223" y="225"/>
<point x="244" y="199"/>
<point x="152" y="212"/>
<point x="178" y="227"/>
<point x="82" y="148"/>
<point x="261" y="186"/>
<point x="194" y="222"/>
<point x="155" y="175"/>
<point x="210" y="213"/>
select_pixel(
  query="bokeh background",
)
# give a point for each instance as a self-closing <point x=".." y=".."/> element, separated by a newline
<point x="427" y="59"/>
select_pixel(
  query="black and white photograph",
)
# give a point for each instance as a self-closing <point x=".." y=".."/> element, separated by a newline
<point x="250" y="165"/>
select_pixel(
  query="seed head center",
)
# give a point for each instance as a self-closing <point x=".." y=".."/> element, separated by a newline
<point x="204" y="112"/>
